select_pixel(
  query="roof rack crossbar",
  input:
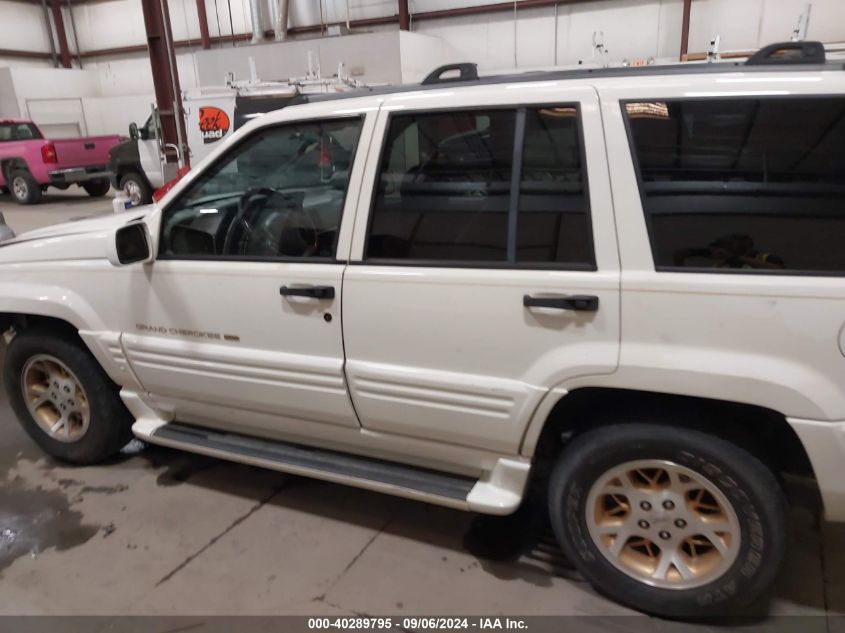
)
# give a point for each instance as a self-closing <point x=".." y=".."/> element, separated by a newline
<point x="788" y="53"/>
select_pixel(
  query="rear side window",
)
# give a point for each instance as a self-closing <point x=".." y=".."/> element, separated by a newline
<point x="743" y="185"/>
<point x="18" y="132"/>
<point x="502" y="187"/>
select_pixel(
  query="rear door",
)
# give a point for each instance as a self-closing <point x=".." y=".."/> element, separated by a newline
<point x="486" y="271"/>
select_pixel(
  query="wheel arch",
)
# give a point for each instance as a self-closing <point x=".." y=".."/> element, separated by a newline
<point x="8" y="165"/>
<point x="763" y="432"/>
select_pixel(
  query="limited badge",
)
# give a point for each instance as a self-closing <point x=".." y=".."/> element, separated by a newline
<point x="214" y="123"/>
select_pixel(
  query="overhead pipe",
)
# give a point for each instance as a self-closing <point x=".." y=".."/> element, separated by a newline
<point x="255" y="14"/>
<point x="280" y="10"/>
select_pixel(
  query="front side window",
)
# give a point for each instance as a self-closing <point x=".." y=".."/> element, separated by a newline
<point x="277" y="195"/>
<point x="743" y="185"/>
<point x="491" y="187"/>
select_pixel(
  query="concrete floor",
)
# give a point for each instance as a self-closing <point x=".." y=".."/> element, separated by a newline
<point x="163" y="532"/>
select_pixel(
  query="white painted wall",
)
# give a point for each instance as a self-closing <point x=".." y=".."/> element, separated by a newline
<point x="632" y="29"/>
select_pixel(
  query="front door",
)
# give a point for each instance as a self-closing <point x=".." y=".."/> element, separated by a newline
<point x="488" y="269"/>
<point x="237" y="323"/>
<point x="150" y="152"/>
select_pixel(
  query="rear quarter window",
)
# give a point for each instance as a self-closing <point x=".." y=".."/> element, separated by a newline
<point x="754" y="185"/>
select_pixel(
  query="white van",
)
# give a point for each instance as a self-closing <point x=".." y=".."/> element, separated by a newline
<point x="623" y="286"/>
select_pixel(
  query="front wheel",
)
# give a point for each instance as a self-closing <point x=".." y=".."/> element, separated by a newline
<point x="669" y="521"/>
<point x="63" y="398"/>
<point x="135" y="187"/>
<point x="96" y="188"/>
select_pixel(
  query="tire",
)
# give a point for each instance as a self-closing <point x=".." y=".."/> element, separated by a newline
<point x="137" y="188"/>
<point x="108" y="421"/>
<point x="748" y="495"/>
<point x="97" y="188"/>
<point x="24" y="188"/>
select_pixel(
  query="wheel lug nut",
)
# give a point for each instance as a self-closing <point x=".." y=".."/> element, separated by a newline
<point x="665" y="535"/>
<point x="643" y="524"/>
<point x="668" y="505"/>
<point x="645" y="505"/>
<point x="680" y="523"/>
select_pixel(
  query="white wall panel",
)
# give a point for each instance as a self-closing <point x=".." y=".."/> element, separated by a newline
<point x="22" y="27"/>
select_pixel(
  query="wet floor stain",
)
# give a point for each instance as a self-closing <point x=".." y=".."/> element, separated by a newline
<point x="37" y="520"/>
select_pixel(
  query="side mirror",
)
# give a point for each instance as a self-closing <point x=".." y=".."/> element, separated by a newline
<point x="133" y="131"/>
<point x="131" y="245"/>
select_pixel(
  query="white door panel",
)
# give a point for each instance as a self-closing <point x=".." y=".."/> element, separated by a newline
<point x="247" y="349"/>
<point x="150" y="155"/>
<point x="455" y="356"/>
<point x="450" y="353"/>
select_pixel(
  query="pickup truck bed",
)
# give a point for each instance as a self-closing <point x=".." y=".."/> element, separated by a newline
<point x="29" y="163"/>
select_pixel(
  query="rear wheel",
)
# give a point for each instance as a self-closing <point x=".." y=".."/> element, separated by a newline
<point x="96" y="188"/>
<point x="136" y="188"/>
<point x="668" y="521"/>
<point x="24" y="188"/>
<point x="63" y="398"/>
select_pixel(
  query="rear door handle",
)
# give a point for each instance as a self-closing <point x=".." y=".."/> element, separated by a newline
<point x="585" y="303"/>
<point x="315" y="292"/>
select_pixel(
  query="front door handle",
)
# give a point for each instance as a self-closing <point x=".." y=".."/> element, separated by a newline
<point x="315" y="292"/>
<point x="585" y="303"/>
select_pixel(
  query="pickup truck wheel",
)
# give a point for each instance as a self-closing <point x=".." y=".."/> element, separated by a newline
<point x="669" y="521"/>
<point x="97" y="188"/>
<point x="23" y="187"/>
<point x="64" y="399"/>
<point x="135" y="187"/>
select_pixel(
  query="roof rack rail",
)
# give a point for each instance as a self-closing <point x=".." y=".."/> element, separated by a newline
<point x="466" y="72"/>
<point x="788" y="53"/>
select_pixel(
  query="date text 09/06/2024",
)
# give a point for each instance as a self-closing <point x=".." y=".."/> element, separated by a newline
<point x="417" y="623"/>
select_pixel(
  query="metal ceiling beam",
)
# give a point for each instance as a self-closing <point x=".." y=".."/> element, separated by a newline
<point x="58" y="20"/>
<point x="685" y="30"/>
<point x="404" y="16"/>
<point x="8" y="52"/>
<point x="165" y="75"/>
<point x="202" y="16"/>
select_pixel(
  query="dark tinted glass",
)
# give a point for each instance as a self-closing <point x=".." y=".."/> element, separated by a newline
<point x="279" y="194"/>
<point x="553" y="224"/>
<point x="444" y="188"/>
<point x="756" y="185"/>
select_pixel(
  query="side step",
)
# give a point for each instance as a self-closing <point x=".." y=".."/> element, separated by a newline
<point x="363" y="472"/>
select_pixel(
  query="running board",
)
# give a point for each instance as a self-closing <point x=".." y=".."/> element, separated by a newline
<point x="363" y="472"/>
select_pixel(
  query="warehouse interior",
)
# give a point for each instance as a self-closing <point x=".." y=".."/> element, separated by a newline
<point x="156" y="531"/>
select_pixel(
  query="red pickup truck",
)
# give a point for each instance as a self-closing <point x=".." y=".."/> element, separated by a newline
<point x="29" y="163"/>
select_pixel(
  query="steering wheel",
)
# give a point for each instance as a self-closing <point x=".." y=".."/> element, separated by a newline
<point x="283" y="241"/>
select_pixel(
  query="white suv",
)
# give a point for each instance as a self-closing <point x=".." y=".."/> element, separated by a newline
<point x="623" y="287"/>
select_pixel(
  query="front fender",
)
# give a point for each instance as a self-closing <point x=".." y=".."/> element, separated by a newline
<point x="66" y="305"/>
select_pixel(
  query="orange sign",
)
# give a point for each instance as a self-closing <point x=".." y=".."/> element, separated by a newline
<point x="214" y="123"/>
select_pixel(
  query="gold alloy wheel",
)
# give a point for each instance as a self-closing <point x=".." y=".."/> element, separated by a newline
<point x="663" y="524"/>
<point x="55" y="398"/>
